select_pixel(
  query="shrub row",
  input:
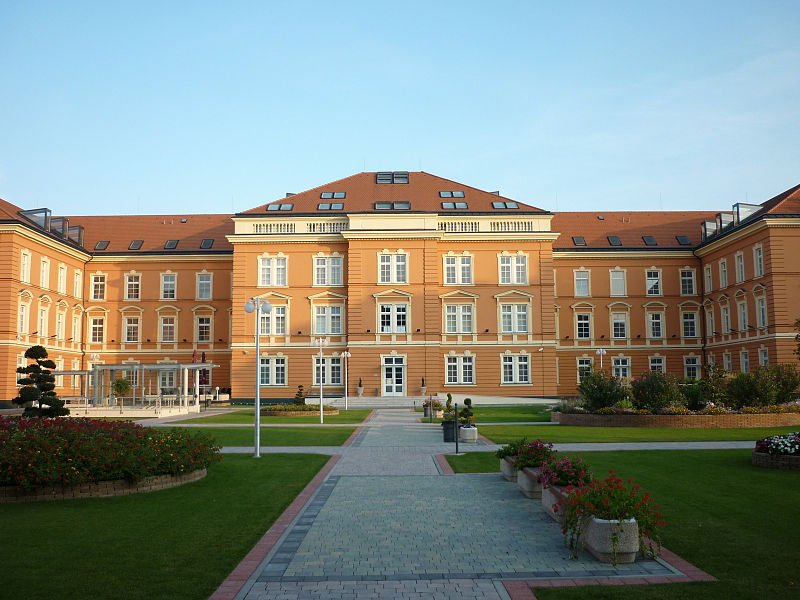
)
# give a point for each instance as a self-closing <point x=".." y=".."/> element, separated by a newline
<point x="70" y="452"/>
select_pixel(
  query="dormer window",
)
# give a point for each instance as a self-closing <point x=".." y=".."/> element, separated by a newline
<point x="399" y="205"/>
<point x="454" y="205"/>
<point x="391" y="177"/>
<point x="280" y="206"/>
<point x="505" y="205"/>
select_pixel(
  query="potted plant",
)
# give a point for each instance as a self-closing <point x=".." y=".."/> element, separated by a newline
<point x="611" y="518"/>
<point x="508" y="458"/>
<point x="433" y="406"/>
<point x="449" y="422"/>
<point x="423" y="389"/>
<point x="467" y="432"/>
<point x="121" y="387"/>
<point x="559" y="476"/>
<point x="360" y="388"/>
<point x="529" y="459"/>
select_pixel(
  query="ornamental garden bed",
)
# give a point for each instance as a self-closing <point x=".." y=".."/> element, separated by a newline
<point x="269" y="412"/>
<point x="723" y="421"/>
<point x="778" y="452"/>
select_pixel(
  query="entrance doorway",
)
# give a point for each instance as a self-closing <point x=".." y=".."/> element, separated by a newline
<point x="394" y="375"/>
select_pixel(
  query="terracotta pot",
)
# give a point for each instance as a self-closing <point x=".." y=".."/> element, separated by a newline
<point x="599" y="539"/>
<point x="528" y="482"/>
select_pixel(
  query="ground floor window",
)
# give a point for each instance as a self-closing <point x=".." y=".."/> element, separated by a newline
<point x="516" y="368"/>
<point x="727" y="361"/>
<point x="622" y="367"/>
<point x="460" y="370"/>
<point x="272" y="370"/>
<point x="584" y="368"/>
<point x="328" y="369"/>
<point x="166" y="381"/>
<point x="744" y="361"/>
<point x="657" y="364"/>
<point x="691" y="367"/>
<point x="763" y="357"/>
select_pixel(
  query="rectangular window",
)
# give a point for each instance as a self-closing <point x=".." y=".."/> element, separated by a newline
<point x="272" y="371"/>
<point x="516" y="368"/>
<point x="393" y="318"/>
<point x="132" y="287"/>
<point x="60" y="316"/>
<point x="689" y="320"/>
<point x="78" y="285"/>
<point x="710" y="330"/>
<point x="657" y="364"/>
<point x="655" y="325"/>
<point x="622" y="368"/>
<point x="97" y="325"/>
<point x="739" y="267"/>
<point x="168" y="329"/>
<point x="653" y="283"/>
<point x="727" y="361"/>
<point x="62" y="279"/>
<point x="725" y="314"/>
<point x="742" y="308"/>
<point x="514" y="318"/>
<point x="691" y="367"/>
<point x="204" y="286"/>
<point x="458" y="270"/>
<point x="687" y="282"/>
<point x="168" y="286"/>
<point x="43" y="322"/>
<point x="166" y="381"/>
<point x="328" y="270"/>
<point x="392" y="268"/>
<point x="763" y="357"/>
<point x="331" y="370"/>
<point x="584" y="368"/>
<point x="131" y="326"/>
<point x="744" y="361"/>
<point x="723" y="273"/>
<point x="275" y="319"/>
<point x="98" y="287"/>
<point x="328" y="320"/>
<point x="581" y="283"/>
<point x="204" y="329"/>
<point x="617" y="283"/>
<point x="272" y="271"/>
<point x="619" y="326"/>
<point x="458" y="318"/>
<point x="22" y="323"/>
<point x="44" y="275"/>
<point x="758" y="261"/>
<point x="708" y="277"/>
<point x="76" y="329"/>
<point x="584" y="326"/>
<point x="761" y="312"/>
<point x="460" y="370"/>
<point x="25" y="267"/>
<point x="514" y="269"/>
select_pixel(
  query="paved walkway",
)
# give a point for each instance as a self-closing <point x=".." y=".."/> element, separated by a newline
<point x="385" y="523"/>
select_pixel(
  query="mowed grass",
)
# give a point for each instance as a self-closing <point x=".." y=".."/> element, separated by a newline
<point x="179" y="543"/>
<point x="506" y="414"/>
<point x="503" y="434"/>
<point x="279" y="436"/>
<point x="248" y="415"/>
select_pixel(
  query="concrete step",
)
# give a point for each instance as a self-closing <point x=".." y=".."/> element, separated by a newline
<point x="379" y="402"/>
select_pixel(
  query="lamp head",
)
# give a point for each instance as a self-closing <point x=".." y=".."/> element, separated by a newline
<point x="249" y="306"/>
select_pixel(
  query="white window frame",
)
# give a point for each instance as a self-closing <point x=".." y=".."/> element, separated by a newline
<point x="275" y="322"/>
<point x="515" y="369"/>
<point x="131" y="325"/>
<point x="621" y="367"/>
<point x="657" y="364"/>
<point x="583" y="365"/>
<point x="25" y="259"/>
<point x="741" y="313"/>
<point x="723" y="273"/>
<point x="44" y="321"/>
<point x="457" y="269"/>
<point x="459" y="369"/>
<point x="691" y="367"/>
<point x="688" y="280"/>
<point x="514" y="317"/>
<point x="652" y="321"/>
<point x="97" y="325"/>
<point x="709" y="278"/>
<point x="331" y="370"/>
<point x="76" y="329"/>
<point x="654" y="284"/>
<point x="198" y="326"/>
<point x="328" y="271"/>
<point x="164" y="325"/>
<point x="763" y="357"/>
<point x="725" y="318"/>
<point x="393" y="267"/>
<point x="710" y="324"/>
<point x="738" y="260"/>
<point x="581" y="275"/>
<point x="273" y="371"/>
<point x="62" y="279"/>
<point x="98" y="290"/>
<point x="273" y="271"/>
<point x="621" y="282"/>
<point x="204" y="286"/>
<point x="758" y="260"/>
<point x="761" y="312"/>
<point x="325" y="316"/>
<point x="23" y="317"/>
<point x="133" y="282"/>
<point x="744" y="361"/>
<point x="583" y="320"/>
<point x="397" y="312"/>
<point x="615" y="320"/>
<point x="77" y="284"/>
<point x="512" y="269"/>
<point x="689" y="324"/>
<point x="44" y="273"/>
<point x="169" y="286"/>
<point x="459" y="318"/>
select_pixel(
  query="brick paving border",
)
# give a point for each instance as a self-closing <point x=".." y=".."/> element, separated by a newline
<point x="442" y="464"/>
<point x="234" y="582"/>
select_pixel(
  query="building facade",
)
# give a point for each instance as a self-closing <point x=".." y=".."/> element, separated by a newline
<point x="424" y="282"/>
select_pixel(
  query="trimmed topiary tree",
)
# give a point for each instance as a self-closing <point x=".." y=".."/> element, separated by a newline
<point x="38" y="386"/>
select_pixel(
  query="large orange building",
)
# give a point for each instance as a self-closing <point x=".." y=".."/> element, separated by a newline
<point x="425" y="282"/>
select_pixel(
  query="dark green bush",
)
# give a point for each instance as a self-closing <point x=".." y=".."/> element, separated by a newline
<point x="656" y="391"/>
<point x="752" y="389"/>
<point x="600" y="389"/>
<point x="714" y="387"/>
<point x="787" y="380"/>
<point x="694" y="394"/>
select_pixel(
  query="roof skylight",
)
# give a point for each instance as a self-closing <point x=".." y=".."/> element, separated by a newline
<point x="398" y="205"/>
<point x="454" y="205"/>
<point x="683" y="240"/>
<point x="451" y="194"/>
<point x="206" y="243"/>
<point x="504" y="205"/>
<point x="280" y="206"/>
<point x="578" y="240"/>
<point x="101" y="245"/>
<point x="649" y="240"/>
<point x="614" y="240"/>
<point x="136" y="245"/>
<point x="170" y="244"/>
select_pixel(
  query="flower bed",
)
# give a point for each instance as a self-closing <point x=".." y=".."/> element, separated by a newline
<point x="69" y="452"/>
<point x="296" y="410"/>
<point x="778" y="452"/>
<point x="692" y="421"/>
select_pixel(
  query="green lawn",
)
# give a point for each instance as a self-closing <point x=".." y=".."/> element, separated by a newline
<point x="179" y="543"/>
<point x="503" y="434"/>
<point x="279" y="436"/>
<point x="247" y="416"/>
<point x="735" y="521"/>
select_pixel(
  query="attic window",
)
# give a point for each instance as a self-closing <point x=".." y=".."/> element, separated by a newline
<point x="649" y="240"/>
<point x="578" y="240"/>
<point x="400" y="177"/>
<point x="614" y="240"/>
<point x="683" y="240"/>
<point x="330" y="206"/>
<point x="329" y="195"/>
<point x="101" y="245"/>
<point x="206" y="243"/>
<point x="400" y="205"/>
<point x="454" y="205"/>
<point x="170" y="244"/>
<point x="451" y="194"/>
<point x="135" y="245"/>
<point x="278" y="206"/>
<point x="391" y="177"/>
<point x="505" y="205"/>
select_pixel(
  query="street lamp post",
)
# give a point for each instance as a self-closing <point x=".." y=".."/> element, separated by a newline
<point x="345" y="355"/>
<point x="321" y="342"/>
<point x="258" y="306"/>
<point x="601" y="353"/>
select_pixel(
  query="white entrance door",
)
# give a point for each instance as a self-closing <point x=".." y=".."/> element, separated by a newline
<point x="393" y="376"/>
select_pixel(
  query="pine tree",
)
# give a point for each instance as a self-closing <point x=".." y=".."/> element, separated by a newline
<point x="38" y="386"/>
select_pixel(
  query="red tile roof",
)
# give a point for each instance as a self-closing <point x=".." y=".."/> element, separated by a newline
<point x="629" y="226"/>
<point x="422" y="191"/>
<point x="9" y="211"/>
<point x="154" y="231"/>
<point x="787" y="202"/>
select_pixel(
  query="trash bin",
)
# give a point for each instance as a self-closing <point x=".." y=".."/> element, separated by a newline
<point x="449" y="431"/>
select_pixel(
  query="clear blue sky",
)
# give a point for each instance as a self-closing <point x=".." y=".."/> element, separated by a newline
<point x="168" y="107"/>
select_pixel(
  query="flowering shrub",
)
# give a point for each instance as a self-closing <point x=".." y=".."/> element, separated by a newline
<point x="296" y="408"/>
<point x="565" y="472"/>
<point x="787" y="444"/>
<point x="533" y="454"/>
<point x="511" y="449"/>
<point x="69" y="452"/>
<point x="613" y="499"/>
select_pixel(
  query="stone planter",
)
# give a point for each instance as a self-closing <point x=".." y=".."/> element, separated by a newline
<point x="360" y="391"/>
<point x="468" y="435"/>
<point x="438" y="414"/>
<point x="423" y="391"/>
<point x="508" y="468"/>
<point x="599" y="538"/>
<point x="776" y="461"/>
<point x="528" y="482"/>
<point x="551" y="496"/>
